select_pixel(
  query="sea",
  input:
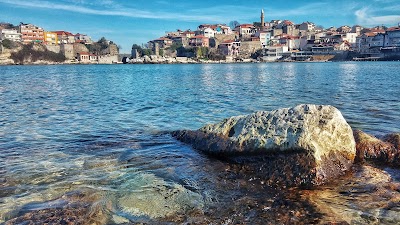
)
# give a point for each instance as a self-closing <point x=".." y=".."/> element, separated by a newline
<point x="91" y="144"/>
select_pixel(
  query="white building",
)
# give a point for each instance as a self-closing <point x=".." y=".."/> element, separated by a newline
<point x="274" y="53"/>
<point x="351" y="38"/>
<point x="392" y="38"/>
<point x="10" y="34"/>
<point x="265" y="38"/>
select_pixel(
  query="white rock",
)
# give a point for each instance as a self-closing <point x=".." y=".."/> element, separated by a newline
<point x="318" y="130"/>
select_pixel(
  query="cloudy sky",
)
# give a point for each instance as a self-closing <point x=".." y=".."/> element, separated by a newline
<point x="137" y="21"/>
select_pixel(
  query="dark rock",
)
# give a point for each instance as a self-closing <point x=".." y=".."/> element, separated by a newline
<point x="371" y="148"/>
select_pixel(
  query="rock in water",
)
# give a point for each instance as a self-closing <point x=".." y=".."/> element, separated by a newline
<point x="380" y="151"/>
<point x="310" y="144"/>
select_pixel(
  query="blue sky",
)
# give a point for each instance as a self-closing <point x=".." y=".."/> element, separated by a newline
<point x="137" y="21"/>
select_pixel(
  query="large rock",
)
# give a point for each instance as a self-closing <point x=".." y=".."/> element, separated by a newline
<point x="310" y="144"/>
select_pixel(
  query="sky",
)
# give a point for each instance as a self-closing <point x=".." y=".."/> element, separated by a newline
<point x="128" y="22"/>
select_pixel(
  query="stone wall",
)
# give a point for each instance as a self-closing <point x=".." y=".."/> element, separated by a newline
<point x="108" y="59"/>
<point x="219" y="38"/>
<point x="54" y="48"/>
<point x="68" y="51"/>
<point x="80" y="48"/>
<point x="249" y="47"/>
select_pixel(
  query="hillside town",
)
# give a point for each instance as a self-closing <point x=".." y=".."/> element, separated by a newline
<point x="29" y="43"/>
<point x="276" y="40"/>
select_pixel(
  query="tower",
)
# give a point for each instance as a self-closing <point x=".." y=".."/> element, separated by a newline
<point x="262" y="19"/>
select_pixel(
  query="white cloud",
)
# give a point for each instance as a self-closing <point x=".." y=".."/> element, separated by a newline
<point x="366" y="16"/>
<point x="128" y="12"/>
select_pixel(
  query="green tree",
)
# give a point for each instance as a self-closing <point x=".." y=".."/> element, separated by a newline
<point x="7" y="43"/>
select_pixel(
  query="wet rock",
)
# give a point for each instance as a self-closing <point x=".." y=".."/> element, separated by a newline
<point x="394" y="139"/>
<point x="72" y="208"/>
<point x="368" y="196"/>
<point x="318" y="132"/>
<point x="371" y="148"/>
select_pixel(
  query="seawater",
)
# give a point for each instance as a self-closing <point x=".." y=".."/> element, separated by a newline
<point x="102" y="131"/>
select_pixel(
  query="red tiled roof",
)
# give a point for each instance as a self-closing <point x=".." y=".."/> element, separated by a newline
<point x="198" y="37"/>
<point x="61" y="32"/>
<point x="393" y="29"/>
<point x="163" y="39"/>
<point x="246" y="25"/>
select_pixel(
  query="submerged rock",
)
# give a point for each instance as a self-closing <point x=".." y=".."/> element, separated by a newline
<point x="368" y="196"/>
<point x="313" y="140"/>
<point x="371" y="148"/>
<point x="154" y="198"/>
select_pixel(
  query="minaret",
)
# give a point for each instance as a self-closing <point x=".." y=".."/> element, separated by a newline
<point x="262" y="19"/>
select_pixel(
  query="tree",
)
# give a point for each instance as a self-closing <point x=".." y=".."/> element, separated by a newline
<point x="233" y="24"/>
<point x="257" y="24"/>
<point x="7" y="43"/>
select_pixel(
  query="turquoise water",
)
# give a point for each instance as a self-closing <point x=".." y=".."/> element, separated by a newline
<point x="103" y="129"/>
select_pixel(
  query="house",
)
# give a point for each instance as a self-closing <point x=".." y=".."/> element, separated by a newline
<point x="322" y="49"/>
<point x="392" y="38"/>
<point x="65" y="37"/>
<point x="162" y="42"/>
<point x="245" y="30"/>
<point x="50" y="38"/>
<point x="181" y="40"/>
<point x="370" y="43"/>
<point x="292" y="42"/>
<point x="264" y="37"/>
<point x="199" y="41"/>
<point x="307" y="26"/>
<point x="31" y="33"/>
<point x="229" y="48"/>
<point x="82" y="38"/>
<point x="274" y="53"/>
<point x="188" y="34"/>
<point x="86" y="57"/>
<point x="206" y="32"/>
<point x="344" y="29"/>
<point x="223" y="29"/>
<point x="10" y="34"/>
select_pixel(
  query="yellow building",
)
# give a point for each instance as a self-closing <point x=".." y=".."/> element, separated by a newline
<point x="50" y="38"/>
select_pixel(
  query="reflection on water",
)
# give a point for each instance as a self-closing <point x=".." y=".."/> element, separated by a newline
<point x="92" y="141"/>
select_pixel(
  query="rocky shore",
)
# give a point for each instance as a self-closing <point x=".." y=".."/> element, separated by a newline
<point x="154" y="59"/>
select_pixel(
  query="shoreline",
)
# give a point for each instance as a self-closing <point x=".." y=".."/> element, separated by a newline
<point x="188" y="61"/>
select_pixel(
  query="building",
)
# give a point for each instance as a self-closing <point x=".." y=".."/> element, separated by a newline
<point x="292" y="42"/>
<point x="392" y="37"/>
<point x="181" y="40"/>
<point x="245" y="30"/>
<point x="10" y="34"/>
<point x="370" y="43"/>
<point x="82" y="38"/>
<point x="307" y="26"/>
<point x="229" y="48"/>
<point x="65" y="37"/>
<point x="274" y="53"/>
<point x="31" y="33"/>
<point x="264" y="37"/>
<point x="50" y="38"/>
<point x="86" y="57"/>
<point x="199" y="41"/>
<point x="206" y="32"/>
<point x="162" y="42"/>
